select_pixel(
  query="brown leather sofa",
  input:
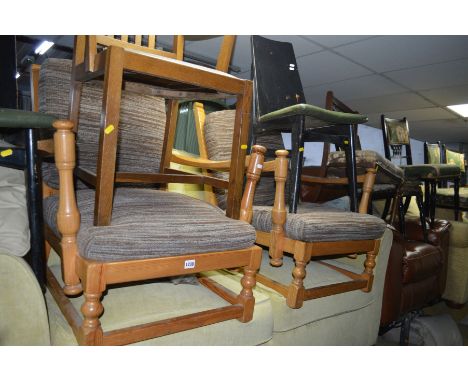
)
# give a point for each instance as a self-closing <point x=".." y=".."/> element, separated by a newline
<point x="416" y="272"/>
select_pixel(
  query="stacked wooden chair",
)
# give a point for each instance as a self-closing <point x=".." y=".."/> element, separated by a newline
<point x="115" y="236"/>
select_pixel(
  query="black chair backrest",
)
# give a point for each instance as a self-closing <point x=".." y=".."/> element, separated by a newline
<point x="396" y="136"/>
<point x="275" y="75"/>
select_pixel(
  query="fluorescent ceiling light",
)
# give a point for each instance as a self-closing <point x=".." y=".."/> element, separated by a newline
<point x="460" y="109"/>
<point x="17" y="75"/>
<point x="44" y="47"/>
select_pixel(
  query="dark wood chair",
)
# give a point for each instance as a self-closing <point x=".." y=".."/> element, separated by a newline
<point x="279" y="106"/>
<point x="389" y="183"/>
<point x="446" y="197"/>
<point x="121" y="59"/>
<point x="397" y="145"/>
<point x="26" y="158"/>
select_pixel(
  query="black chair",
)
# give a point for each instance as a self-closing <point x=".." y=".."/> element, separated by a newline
<point x="279" y="106"/>
<point x="26" y="158"/>
<point x="397" y="145"/>
<point x="447" y="197"/>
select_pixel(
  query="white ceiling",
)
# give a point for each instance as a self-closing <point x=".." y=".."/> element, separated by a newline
<point x="412" y="76"/>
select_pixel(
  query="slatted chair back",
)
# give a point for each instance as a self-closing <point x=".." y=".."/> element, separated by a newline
<point x="86" y="47"/>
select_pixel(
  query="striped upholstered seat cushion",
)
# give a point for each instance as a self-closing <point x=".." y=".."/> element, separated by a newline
<point x="388" y="171"/>
<point x="150" y="223"/>
<point x="141" y="126"/>
<point x="219" y="128"/>
<point x="314" y="223"/>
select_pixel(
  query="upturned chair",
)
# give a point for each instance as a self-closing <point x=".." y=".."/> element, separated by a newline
<point x="121" y="59"/>
<point x="396" y="137"/>
<point x="279" y="106"/>
<point x="447" y="197"/>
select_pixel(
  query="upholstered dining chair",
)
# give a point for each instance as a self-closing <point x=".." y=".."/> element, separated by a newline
<point x="121" y="60"/>
<point x="152" y="233"/>
<point x="446" y="197"/>
<point x="313" y="232"/>
<point x="279" y="106"/>
<point x="389" y="183"/>
<point x="397" y="145"/>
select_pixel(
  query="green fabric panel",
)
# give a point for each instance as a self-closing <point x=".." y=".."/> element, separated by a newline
<point x="433" y="153"/>
<point x="186" y="135"/>
<point x="456" y="158"/>
<point x="316" y="115"/>
<point x="398" y="132"/>
<point x="12" y="118"/>
<point x="430" y="171"/>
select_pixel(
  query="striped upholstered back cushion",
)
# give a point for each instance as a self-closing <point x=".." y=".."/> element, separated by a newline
<point x="219" y="129"/>
<point x="141" y="126"/>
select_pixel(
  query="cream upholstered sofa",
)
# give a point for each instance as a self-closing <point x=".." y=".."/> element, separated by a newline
<point x="350" y="318"/>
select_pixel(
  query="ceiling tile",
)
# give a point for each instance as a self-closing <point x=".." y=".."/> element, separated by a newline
<point x="371" y="86"/>
<point x="391" y="102"/>
<point x="453" y="95"/>
<point x="334" y="41"/>
<point x="301" y="46"/>
<point x="324" y="67"/>
<point x="433" y="76"/>
<point x="386" y="53"/>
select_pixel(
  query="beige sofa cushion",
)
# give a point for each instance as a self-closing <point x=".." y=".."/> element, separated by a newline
<point x="130" y="305"/>
<point x="14" y="224"/>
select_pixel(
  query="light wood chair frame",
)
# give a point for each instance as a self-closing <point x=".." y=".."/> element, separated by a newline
<point x="92" y="277"/>
<point x="303" y="252"/>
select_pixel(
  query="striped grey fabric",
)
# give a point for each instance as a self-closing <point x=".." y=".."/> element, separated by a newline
<point x="141" y="126"/>
<point x="388" y="172"/>
<point x="51" y="177"/>
<point x="219" y="129"/>
<point x="314" y="223"/>
<point x="150" y="224"/>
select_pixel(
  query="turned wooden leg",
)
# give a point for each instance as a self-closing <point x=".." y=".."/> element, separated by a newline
<point x="295" y="298"/>
<point x="90" y="330"/>
<point x="278" y="213"/>
<point x="369" y="265"/>
<point x="248" y="281"/>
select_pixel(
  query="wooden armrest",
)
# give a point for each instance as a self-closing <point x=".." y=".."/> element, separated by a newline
<point x="208" y="164"/>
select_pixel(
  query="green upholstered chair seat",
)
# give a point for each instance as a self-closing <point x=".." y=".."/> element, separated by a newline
<point x="159" y="300"/>
<point x="316" y="116"/>
<point x="151" y="223"/>
<point x="25" y="119"/>
<point x="430" y="171"/>
<point x="314" y="223"/>
<point x="444" y="197"/>
<point x="388" y="172"/>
